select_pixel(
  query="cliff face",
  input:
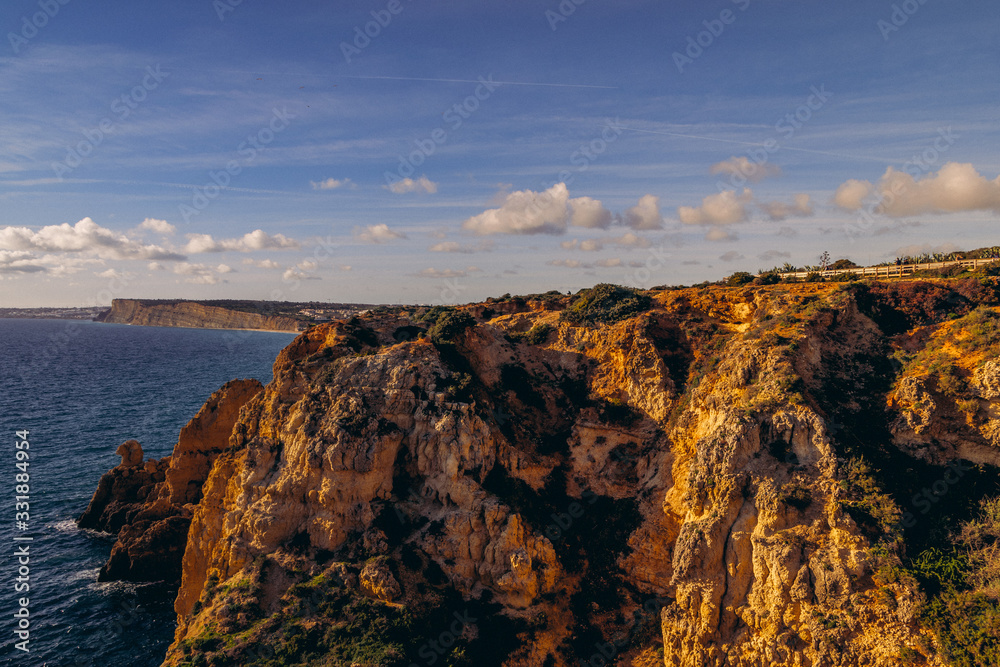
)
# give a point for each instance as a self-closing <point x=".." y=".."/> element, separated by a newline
<point x="713" y="477"/>
<point x="194" y="315"/>
<point x="148" y="504"/>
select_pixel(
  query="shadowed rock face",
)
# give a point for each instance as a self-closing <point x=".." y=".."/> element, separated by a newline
<point x="683" y="487"/>
<point x="147" y="505"/>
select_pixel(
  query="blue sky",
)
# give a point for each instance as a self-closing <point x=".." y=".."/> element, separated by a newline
<point x="202" y="149"/>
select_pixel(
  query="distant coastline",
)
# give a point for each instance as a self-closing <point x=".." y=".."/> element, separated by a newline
<point x="275" y="316"/>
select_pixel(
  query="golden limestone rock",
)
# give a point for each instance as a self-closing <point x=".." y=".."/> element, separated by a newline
<point x="701" y="477"/>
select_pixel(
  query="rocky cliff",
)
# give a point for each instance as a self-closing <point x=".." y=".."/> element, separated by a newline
<point x="193" y="315"/>
<point x="767" y="475"/>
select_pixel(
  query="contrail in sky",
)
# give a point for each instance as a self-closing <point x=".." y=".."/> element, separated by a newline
<point x="400" y="78"/>
<point x="505" y="83"/>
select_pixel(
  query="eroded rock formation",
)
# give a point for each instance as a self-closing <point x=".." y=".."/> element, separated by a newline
<point x="721" y="479"/>
<point x="148" y="506"/>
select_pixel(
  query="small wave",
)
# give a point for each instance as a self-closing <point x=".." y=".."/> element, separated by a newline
<point x="65" y="526"/>
<point x="84" y="575"/>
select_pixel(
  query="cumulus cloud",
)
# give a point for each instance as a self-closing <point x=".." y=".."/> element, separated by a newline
<point x="406" y="185"/>
<point x="225" y="268"/>
<point x="255" y="240"/>
<point x="553" y="211"/>
<point x="84" y="237"/>
<point x="720" y="234"/>
<point x="377" y="234"/>
<point x="724" y="208"/>
<point x="262" y="263"/>
<point x="298" y="272"/>
<point x="644" y="215"/>
<point x="630" y="240"/>
<point x="954" y="188"/>
<point x="455" y="246"/>
<point x="201" y="274"/>
<point x="588" y="245"/>
<point x="158" y="226"/>
<point x="589" y="213"/>
<point x="525" y="212"/>
<point x="110" y="273"/>
<point x="331" y="184"/>
<point x="801" y="206"/>
<point x="744" y="168"/>
<point x="851" y="194"/>
<point x="19" y="261"/>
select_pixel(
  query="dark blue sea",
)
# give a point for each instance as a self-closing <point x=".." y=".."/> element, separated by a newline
<point x="81" y="389"/>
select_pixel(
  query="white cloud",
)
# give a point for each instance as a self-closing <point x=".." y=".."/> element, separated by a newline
<point x="630" y="240"/>
<point x="448" y="273"/>
<point x="744" y="168"/>
<point x="577" y="264"/>
<point x="255" y="240"/>
<point x="720" y="234"/>
<point x="525" y="212"/>
<point x="331" y="184"/>
<point x="19" y="261"/>
<point x="158" y="226"/>
<point x="954" y="188"/>
<point x="455" y="246"/>
<point x="110" y="273"/>
<point x="84" y="237"/>
<point x="589" y="213"/>
<point x="724" y="208"/>
<point x="851" y="193"/>
<point x="568" y="263"/>
<point x="406" y="185"/>
<point x="262" y="263"/>
<point x="588" y="245"/>
<point x="155" y="266"/>
<point x="645" y="215"/>
<point x="224" y="268"/>
<point x="377" y="234"/>
<point x="200" y="274"/>
<point x="800" y="207"/>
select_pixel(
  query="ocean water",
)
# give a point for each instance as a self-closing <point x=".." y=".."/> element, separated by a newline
<point x="81" y="389"/>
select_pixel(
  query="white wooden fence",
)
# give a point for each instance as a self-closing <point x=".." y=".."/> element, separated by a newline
<point x="895" y="270"/>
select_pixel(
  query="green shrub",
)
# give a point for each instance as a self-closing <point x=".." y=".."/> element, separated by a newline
<point x="769" y="278"/>
<point x="814" y="277"/>
<point x="739" y="278"/>
<point x="606" y="303"/>
<point x="449" y="325"/>
<point x="537" y="335"/>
